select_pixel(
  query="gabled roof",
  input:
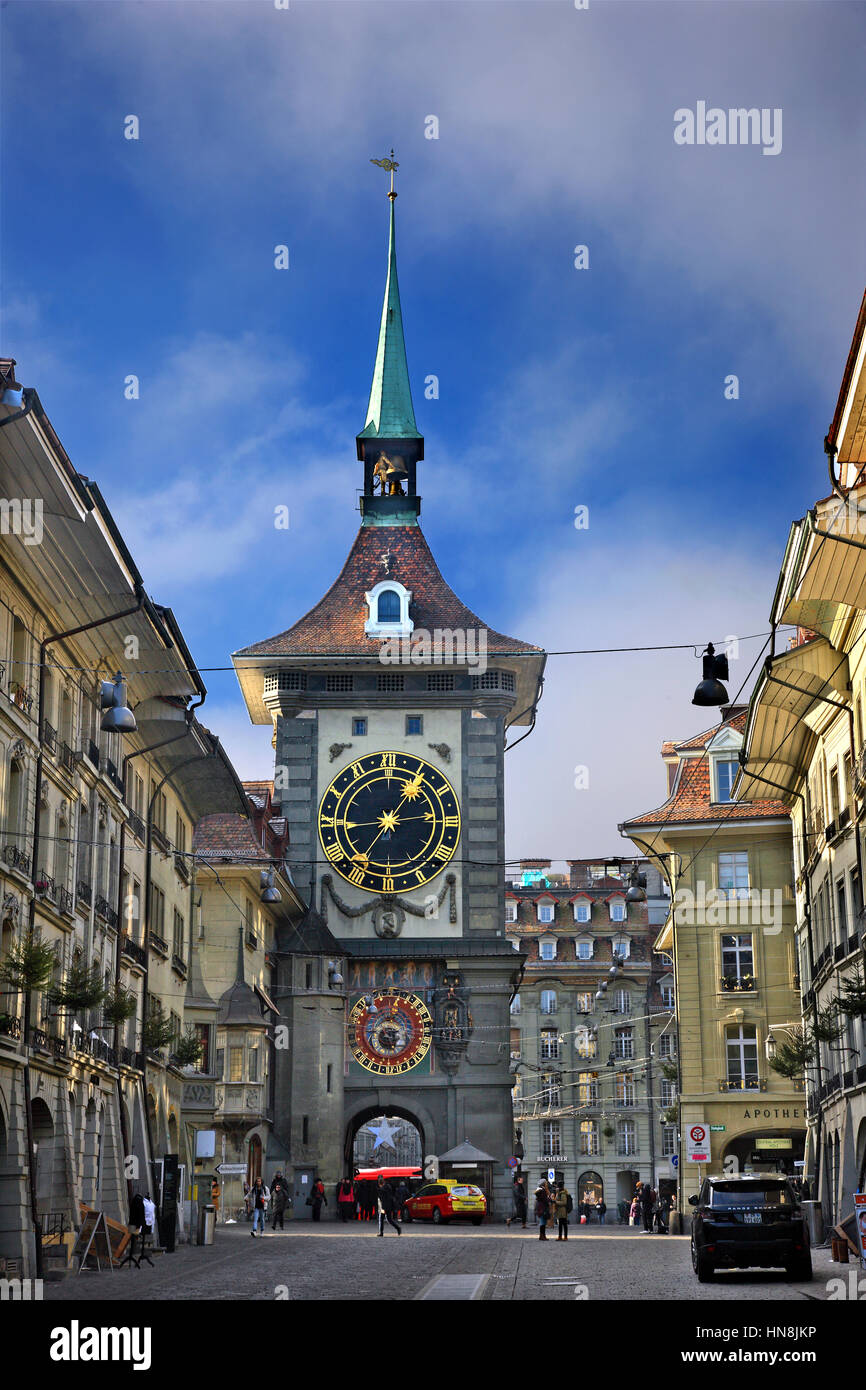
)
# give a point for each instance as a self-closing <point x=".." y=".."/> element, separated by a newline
<point x="691" y="796"/>
<point x="227" y="837"/>
<point x="466" y="1153"/>
<point x="311" y="937"/>
<point x="335" y="625"/>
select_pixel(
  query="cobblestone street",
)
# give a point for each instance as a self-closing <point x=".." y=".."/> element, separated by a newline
<point x="329" y="1262"/>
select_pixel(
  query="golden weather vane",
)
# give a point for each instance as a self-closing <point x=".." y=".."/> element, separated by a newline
<point x="389" y="165"/>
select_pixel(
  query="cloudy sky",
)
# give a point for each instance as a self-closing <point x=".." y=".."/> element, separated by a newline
<point x="602" y="387"/>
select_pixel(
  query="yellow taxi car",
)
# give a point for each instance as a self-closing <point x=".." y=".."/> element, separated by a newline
<point x="447" y="1200"/>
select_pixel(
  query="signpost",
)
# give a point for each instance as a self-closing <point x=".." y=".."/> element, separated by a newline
<point x="697" y="1143"/>
<point x="231" y="1170"/>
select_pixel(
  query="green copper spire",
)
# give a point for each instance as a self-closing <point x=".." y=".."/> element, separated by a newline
<point x="390" y="414"/>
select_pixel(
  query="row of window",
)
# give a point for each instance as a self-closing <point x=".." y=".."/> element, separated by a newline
<point x="387" y="682"/>
<point x="584" y="1002"/>
<point x="546" y="912"/>
<point x="584" y="947"/>
<point x="414" y="725"/>
<point x="586" y="1043"/>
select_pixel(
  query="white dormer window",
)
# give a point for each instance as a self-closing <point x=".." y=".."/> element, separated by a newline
<point x="724" y="763"/>
<point x="617" y="910"/>
<point x="621" y="947"/>
<point x="546" y="912"/>
<point x="582" y="911"/>
<point x="547" y="949"/>
<point x="583" y="948"/>
<point x="388" y="604"/>
<point x="510" y="911"/>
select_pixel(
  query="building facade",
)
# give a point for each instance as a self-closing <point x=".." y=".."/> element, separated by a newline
<point x="730" y="936"/>
<point x="805" y="740"/>
<point x="390" y="701"/>
<point x="588" y="1047"/>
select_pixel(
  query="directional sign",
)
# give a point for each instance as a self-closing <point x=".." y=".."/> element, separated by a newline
<point x="231" y="1170"/>
<point x="551" y="1175"/>
<point x="697" y="1143"/>
<point x="675" y="1160"/>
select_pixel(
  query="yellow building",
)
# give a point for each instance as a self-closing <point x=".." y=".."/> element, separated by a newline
<point x="730" y="933"/>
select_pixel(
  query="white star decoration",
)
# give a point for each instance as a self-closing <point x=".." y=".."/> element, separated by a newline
<point x="384" y="1132"/>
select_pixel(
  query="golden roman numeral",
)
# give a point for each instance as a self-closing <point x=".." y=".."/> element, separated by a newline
<point x="357" y="770"/>
<point x="442" y="853"/>
<point x="356" y="877"/>
<point x="452" y="821"/>
<point x="333" y="852"/>
<point x="388" y="760"/>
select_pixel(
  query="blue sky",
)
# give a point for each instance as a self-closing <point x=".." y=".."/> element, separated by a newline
<point x="558" y="387"/>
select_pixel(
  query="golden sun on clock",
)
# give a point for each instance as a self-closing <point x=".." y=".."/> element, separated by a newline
<point x="389" y="822"/>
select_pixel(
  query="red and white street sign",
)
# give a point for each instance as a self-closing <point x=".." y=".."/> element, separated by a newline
<point x="697" y="1143"/>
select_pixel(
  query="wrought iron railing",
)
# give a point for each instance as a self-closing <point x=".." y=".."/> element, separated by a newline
<point x="178" y="963"/>
<point x="49" y="735"/>
<point x="65" y="901"/>
<point x="39" y="1038"/>
<point x="160" y="839"/>
<point x="46" y="887"/>
<point x="106" y="911"/>
<point x="66" y="758"/>
<point x="93" y="752"/>
<point x="158" y="942"/>
<point x="136" y="825"/>
<point x="181" y="864"/>
<point x="17" y="859"/>
<point x="84" y="892"/>
<point x="10" y="1026"/>
<point x="131" y="948"/>
<point x="20" y="697"/>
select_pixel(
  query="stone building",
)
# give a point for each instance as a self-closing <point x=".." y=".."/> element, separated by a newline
<point x="95" y="846"/>
<point x="805" y="742"/>
<point x="730" y="935"/>
<point x="390" y="701"/>
<point x="587" y="1047"/>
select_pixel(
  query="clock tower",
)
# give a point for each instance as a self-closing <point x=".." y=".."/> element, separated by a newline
<point x="390" y="702"/>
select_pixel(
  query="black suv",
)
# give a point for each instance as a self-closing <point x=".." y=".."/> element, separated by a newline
<point x="753" y="1220"/>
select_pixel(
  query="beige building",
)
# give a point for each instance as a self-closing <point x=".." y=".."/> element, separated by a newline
<point x="805" y="739"/>
<point x="730" y="934"/>
<point x="95" y="849"/>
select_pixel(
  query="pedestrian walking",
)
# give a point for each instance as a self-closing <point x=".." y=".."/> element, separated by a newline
<point x="385" y="1205"/>
<point x="602" y="1211"/>
<point x="346" y="1200"/>
<point x="401" y="1197"/>
<point x="259" y="1198"/>
<point x="542" y="1209"/>
<point x="647" y="1202"/>
<point x="318" y="1198"/>
<point x="663" y="1206"/>
<point x="279" y="1200"/>
<point x="634" y="1211"/>
<point x="563" y="1206"/>
<point x="518" y="1202"/>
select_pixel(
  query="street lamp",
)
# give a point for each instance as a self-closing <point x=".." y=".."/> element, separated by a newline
<point x="269" y="893"/>
<point x="118" y="717"/>
<point x="711" y="691"/>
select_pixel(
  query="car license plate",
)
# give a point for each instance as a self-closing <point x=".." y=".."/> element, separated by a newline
<point x="753" y="1217"/>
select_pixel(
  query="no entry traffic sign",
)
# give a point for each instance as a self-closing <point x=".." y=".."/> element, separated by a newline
<point x="697" y="1143"/>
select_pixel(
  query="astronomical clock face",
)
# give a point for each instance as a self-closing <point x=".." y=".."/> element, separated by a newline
<point x="391" y="1035"/>
<point x="389" y="822"/>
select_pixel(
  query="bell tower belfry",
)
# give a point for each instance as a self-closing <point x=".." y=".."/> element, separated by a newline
<point x="390" y="701"/>
<point x="389" y="445"/>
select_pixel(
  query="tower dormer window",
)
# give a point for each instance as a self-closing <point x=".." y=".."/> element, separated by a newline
<point x="388" y="605"/>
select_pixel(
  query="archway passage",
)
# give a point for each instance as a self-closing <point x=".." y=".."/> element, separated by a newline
<point x="381" y="1138"/>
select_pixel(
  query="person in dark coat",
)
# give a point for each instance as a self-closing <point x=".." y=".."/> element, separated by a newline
<point x="279" y="1200"/>
<point x="385" y="1206"/>
<point x="346" y="1200"/>
<point x="542" y="1209"/>
<point x="318" y="1198"/>
<point x="647" y="1202"/>
<point x="518" y="1202"/>
<point x="401" y="1197"/>
<point x="663" y="1206"/>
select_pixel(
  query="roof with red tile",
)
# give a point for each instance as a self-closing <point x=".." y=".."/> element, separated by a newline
<point x="337" y="620"/>
<point x="691" y="801"/>
<point x="227" y="837"/>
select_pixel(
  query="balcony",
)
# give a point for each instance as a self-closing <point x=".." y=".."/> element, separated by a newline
<point x="127" y="1057"/>
<point x="241" y="1099"/>
<point x="113" y="775"/>
<point x="17" y="859"/>
<point x="252" y="940"/>
<point x="160" y="839"/>
<point x="39" y="1039"/>
<point x="743" y="1083"/>
<point x="66" y="758"/>
<point x="65" y="902"/>
<point x="158" y="943"/>
<point x="20" y="697"/>
<point x="133" y="951"/>
<point x="738" y="984"/>
<point x="106" y="911"/>
<point x="46" y="886"/>
<point x="92" y="753"/>
<point x="181" y="866"/>
<point x="10" y="1027"/>
<point x="49" y="736"/>
<point x="136" y="825"/>
<point x="178" y="964"/>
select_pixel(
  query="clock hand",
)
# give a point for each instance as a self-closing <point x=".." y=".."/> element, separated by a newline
<point x="411" y="790"/>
